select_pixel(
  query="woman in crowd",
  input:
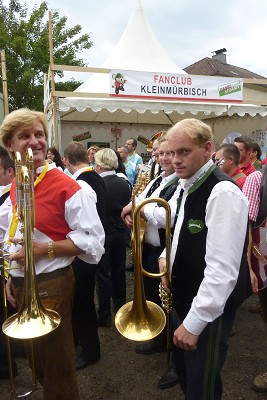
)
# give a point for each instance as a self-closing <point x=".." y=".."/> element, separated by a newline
<point x="54" y="155"/>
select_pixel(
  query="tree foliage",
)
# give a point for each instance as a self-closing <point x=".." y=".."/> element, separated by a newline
<point x="24" y="36"/>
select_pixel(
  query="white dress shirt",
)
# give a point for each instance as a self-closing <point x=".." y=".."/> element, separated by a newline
<point x="152" y="234"/>
<point x="4" y="211"/>
<point x="86" y="231"/>
<point x="156" y="215"/>
<point x="226" y="221"/>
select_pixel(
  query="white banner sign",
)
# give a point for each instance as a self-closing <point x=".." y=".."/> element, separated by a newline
<point x="152" y="85"/>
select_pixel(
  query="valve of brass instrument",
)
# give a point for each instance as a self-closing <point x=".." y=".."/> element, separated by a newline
<point x="4" y="264"/>
<point x="166" y="298"/>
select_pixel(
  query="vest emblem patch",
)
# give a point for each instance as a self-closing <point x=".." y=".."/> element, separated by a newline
<point x="195" y="225"/>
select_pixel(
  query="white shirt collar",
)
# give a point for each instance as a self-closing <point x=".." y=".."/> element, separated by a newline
<point x="79" y="172"/>
<point x="167" y="178"/>
<point x="3" y="189"/>
<point x="106" y="173"/>
<point x="51" y="165"/>
<point x="186" y="183"/>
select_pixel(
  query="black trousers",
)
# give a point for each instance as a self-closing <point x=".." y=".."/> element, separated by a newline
<point x="84" y="317"/>
<point x="3" y="338"/>
<point x="151" y="285"/>
<point x="199" y="370"/>
<point x="110" y="275"/>
<point x="263" y="302"/>
<point x="151" y="264"/>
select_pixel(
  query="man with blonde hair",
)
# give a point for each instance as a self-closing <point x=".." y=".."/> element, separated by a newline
<point x="66" y="226"/>
<point x="209" y="271"/>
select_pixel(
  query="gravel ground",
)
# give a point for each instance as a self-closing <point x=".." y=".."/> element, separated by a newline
<point x="121" y="374"/>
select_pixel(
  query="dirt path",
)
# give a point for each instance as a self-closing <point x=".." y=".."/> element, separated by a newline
<point x="121" y="374"/>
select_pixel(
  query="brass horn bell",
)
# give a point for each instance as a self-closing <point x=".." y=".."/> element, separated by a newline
<point x="142" y="320"/>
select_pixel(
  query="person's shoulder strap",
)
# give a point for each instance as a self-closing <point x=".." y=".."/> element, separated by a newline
<point x="262" y="214"/>
<point x="4" y="197"/>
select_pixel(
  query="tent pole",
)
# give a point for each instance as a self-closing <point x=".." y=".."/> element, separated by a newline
<point x="45" y="83"/>
<point x="169" y="118"/>
<point x="4" y="82"/>
<point x="54" y="105"/>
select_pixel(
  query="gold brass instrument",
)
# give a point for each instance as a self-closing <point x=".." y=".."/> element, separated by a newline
<point x="140" y="185"/>
<point x="32" y="319"/>
<point x="166" y="303"/>
<point x="142" y="320"/>
<point x="154" y="137"/>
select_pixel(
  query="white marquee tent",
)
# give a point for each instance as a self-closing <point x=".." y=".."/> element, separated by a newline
<point x="139" y="50"/>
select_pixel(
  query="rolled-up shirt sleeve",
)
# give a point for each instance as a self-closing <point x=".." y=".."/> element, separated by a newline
<point x="157" y="215"/>
<point x="87" y="231"/>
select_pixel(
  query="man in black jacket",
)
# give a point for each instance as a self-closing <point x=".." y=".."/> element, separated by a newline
<point x="110" y="275"/>
<point x="84" y="321"/>
<point x="7" y="174"/>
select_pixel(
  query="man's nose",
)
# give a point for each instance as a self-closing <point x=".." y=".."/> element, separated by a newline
<point x="176" y="160"/>
<point x="33" y="140"/>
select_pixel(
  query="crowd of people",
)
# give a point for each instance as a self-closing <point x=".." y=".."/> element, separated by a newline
<point x="83" y="216"/>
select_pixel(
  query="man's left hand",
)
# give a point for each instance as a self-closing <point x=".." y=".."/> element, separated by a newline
<point x="39" y="251"/>
<point x="184" y="339"/>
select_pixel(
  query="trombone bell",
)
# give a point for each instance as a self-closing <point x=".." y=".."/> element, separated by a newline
<point x="140" y="319"/>
<point x="142" y="327"/>
<point x="25" y="326"/>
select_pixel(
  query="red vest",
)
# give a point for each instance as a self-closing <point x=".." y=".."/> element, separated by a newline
<point x="50" y="196"/>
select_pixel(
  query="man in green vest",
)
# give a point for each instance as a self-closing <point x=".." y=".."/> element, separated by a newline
<point x="208" y="246"/>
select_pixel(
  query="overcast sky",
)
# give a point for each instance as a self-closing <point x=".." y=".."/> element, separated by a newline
<point x="188" y="30"/>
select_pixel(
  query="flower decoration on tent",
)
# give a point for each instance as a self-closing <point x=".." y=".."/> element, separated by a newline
<point x="116" y="132"/>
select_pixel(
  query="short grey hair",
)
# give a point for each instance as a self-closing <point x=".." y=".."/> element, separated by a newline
<point x="106" y="158"/>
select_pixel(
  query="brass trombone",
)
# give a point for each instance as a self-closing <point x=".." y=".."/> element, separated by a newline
<point x="32" y="320"/>
<point x="142" y="320"/>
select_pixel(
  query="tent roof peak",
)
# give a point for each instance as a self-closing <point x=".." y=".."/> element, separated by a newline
<point x="137" y="50"/>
